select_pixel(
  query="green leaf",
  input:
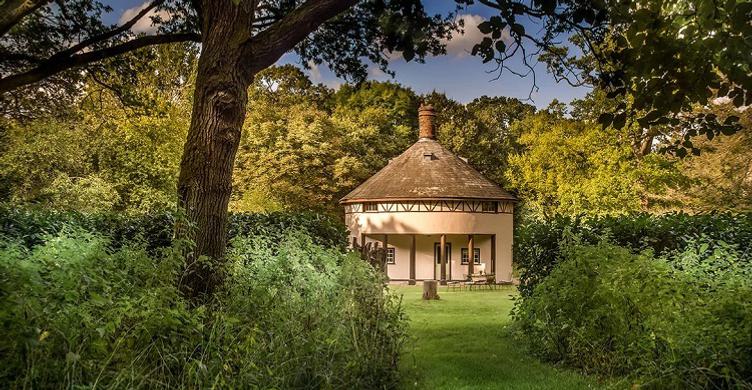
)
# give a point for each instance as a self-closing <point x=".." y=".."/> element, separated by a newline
<point x="518" y="29"/>
<point x="501" y="47"/>
<point x="620" y="120"/>
<point x="606" y="119"/>
<point x="408" y="55"/>
<point x="485" y="27"/>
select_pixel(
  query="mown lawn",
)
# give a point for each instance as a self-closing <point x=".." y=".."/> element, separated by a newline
<point x="458" y="342"/>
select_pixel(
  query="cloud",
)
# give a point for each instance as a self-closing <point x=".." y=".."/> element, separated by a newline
<point x="375" y="72"/>
<point x="143" y="25"/>
<point x="315" y="72"/>
<point x="318" y="78"/>
<point x="461" y="44"/>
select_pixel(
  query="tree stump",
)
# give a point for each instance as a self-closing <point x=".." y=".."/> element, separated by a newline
<point x="430" y="289"/>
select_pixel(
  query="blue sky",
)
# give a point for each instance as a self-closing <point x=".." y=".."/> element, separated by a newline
<point x="457" y="74"/>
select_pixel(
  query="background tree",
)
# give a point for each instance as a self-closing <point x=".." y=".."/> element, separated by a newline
<point x="720" y="178"/>
<point x="102" y="153"/>
<point x="571" y="166"/>
<point x="304" y="146"/>
<point x="661" y="58"/>
<point x="482" y="131"/>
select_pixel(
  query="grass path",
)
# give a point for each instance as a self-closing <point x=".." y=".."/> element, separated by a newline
<point x="458" y="342"/>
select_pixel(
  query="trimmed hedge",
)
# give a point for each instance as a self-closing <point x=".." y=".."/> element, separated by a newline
<point x="536" y="243"/>
<point x="31" y="225"/>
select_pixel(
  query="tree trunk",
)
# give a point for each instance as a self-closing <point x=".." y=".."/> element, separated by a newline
<point x="230" y="57"/>
<point x="205" y="181"/>
<point x="430" y="289"/>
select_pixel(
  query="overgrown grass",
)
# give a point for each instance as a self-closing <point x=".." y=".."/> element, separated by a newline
<point x="459" y="342"/>
<point x="77" y="313"/>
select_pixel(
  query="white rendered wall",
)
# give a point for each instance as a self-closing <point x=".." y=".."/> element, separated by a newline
<point x="428" y="228"/>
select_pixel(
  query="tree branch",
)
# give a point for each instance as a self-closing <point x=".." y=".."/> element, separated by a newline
<point x="109" y="34"/>
<point x="12" y="11"/>
<point x="56" y="65"/>
<point x="266" y="47"/>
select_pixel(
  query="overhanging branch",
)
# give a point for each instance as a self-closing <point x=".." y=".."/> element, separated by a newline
<point x="57" y="64"/>
<point x="110" y="34"/>
<point x="266" y="47"/>
<point x="12" y="11"/>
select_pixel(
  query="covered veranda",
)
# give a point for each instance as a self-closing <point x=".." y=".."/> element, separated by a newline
<point x="445" y="257"/>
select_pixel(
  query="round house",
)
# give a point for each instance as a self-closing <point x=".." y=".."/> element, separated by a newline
<point x="437" y="217"/>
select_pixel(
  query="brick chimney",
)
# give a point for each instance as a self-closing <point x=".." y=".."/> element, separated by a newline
<point x="425" y="121"/>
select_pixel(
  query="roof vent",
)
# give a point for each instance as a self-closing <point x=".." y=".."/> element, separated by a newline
<point x="429" y="156"/>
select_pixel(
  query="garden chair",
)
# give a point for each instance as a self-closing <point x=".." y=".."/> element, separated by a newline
<point x="455" y="284"/>
<point x="477" y="280"/>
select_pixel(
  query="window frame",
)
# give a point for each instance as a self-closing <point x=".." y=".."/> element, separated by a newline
<point x="393" y="252"/>
<point x="370" y="207"/>
<point x="464" y="256"/>
<point x="493" y="209"/>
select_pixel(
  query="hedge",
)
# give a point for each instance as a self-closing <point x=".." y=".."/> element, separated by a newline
<point x="32" y="225"/>
<point x="536" y="243"/>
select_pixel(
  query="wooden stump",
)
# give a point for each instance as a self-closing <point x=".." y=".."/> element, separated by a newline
<point x="430" y="289"/>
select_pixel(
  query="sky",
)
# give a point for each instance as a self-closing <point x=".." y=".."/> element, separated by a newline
<point x="457" y="74"/>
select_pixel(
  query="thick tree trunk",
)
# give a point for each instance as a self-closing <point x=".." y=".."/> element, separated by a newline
<point x="230" y="57"/>
<point x="430" y="289"/>
<point x="205" y="181"/>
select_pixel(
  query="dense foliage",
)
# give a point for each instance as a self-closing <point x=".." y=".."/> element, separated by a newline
<point x="537" y="244"/>
<point x="304" y="146"/>
<point x="683" y="320"/>
<point x="30" y="226"/>
<point x="572" y="166"/>
<point x="75" y="312"/>
<point x="105" y="153"/>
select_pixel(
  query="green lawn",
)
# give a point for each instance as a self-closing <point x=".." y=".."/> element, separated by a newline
<point x="458" y="342"/>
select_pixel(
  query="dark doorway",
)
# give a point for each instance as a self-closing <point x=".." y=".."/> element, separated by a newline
<point x="437" y="260"/>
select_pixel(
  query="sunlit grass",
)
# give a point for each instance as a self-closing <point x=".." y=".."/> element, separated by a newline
<point x="458" y="342"/>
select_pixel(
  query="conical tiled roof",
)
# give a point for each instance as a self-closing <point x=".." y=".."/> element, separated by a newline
<point x="427" y="170"/>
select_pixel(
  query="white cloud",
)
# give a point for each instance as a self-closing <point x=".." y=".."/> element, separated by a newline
<point x="375" y="72"/>
<point x="318" y="78"/>
<point x="143" y="25"/>
<point x="315" y="72"/>
<point x="461" y="44"/>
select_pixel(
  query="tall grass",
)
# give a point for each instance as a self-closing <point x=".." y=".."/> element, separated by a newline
<point x="76" y="313"/>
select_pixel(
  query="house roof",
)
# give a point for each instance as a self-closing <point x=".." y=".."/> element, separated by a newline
<point x="427" y="170"/>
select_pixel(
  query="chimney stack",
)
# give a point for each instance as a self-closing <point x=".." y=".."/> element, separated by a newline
<point x="425" y="121"/>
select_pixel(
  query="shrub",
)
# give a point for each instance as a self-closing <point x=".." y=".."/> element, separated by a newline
<point x="536" y="243"/>
<point x="31" y="225"/>
<point x="667" y="322"/>
<point x="75" y="313"/>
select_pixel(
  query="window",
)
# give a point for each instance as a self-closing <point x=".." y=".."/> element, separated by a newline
<point x="476" y="255"/>
<point x="370" y="206"/>
<point x="390" y="255"/>
<point x="489" y="207"/>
